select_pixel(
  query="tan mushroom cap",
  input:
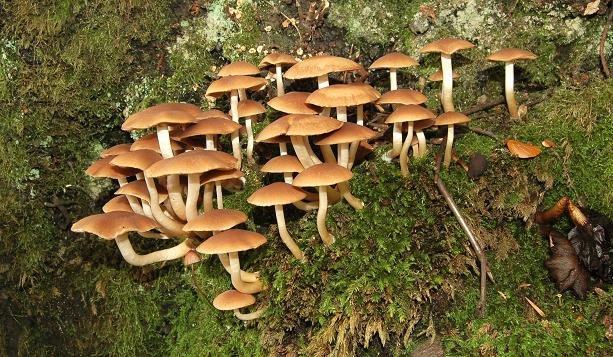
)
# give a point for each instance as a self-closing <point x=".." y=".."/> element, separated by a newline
<point x="511" y="54"/>
<point x="300" y="125"/>
<point x="277" y="58"/>
<point x="345" y="95"/>
<point x="276" y="140"/>
<point x="213" y="113"/>
<point x="409" y="112"/>
<point x="438" y="76"/>
<point x="192" y="162"/>
<point x="394" y="60"/>
<point x="449" y="118"/>
<point x="230" y="83"/>
<point x="117" y="203"/>
<point x="347" y="133"/>
<point x="150" y="142"/>
<point x="103" y="168"/>
<point x="115" y="150"/>
<point x="232" y="300"/>
<point x="215" y="220"/>
<point x="402" y="96"/>
<point x="138" y="189"/>
<point x="220" y="175"/>
<point x="293" y="103"/>
<point x="322" y="175"/>
<point x="138" y="159"/>
<point x="278" y="193"/>
<point x="282" y="164"/>
<point x="144" y="121"/>
<point x="110" y="225"/>
<point x="319" y="65"/>
<point x="212" y="126"/>
<point x="232" y="240"/>
<point x="423" y="124"/>
<point x="247" y="108"/>
<point x="239" y="68"/>
<point x="447" y="46"/>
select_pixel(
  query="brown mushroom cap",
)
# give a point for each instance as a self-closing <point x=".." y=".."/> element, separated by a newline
<point x="144" y="121"/>
<point x="281" y="164"/>
<point x="451" y="118"/>
<point x="299" y="124"/>
<point x="447" y="46"/>
<point x="277" y="58"/>
<point x="215" y="220"/>
<point x="522" y="150"/>
<point x="110" y="225"/>
<point x="423" y="124"/>
<point x="345" y="95"/>
<point x="150" y="142"/>
<point x="239" y="68"/>
<point x="117" y="203"/>
<point x="402" y="96"/>
<point x="103" y="168"/>
<point x="394" y="60"/>
<point x="347" y="133"/>
<point x="138" y="189"/>
<point x="230" y="83"/>
<point x="232" y="300"/>
<point x="319" y="65"/>
<point x="293" y="103"/>
<point x="138" y="159"/>
<point x="232" y="240"/>
<point x="322" y="175"/>
<point x="409" y="112"/>
<point x="220" y="175"/>
<point x="278" y="193"/>
<point x="247" y="108"/>
<point x="511" y="54"/>
<point x="211" y="126"/>
<point x="192" y="162"/>
<point x="438" y="76"/>
<point x="213" y="113"/>
<point x="116" y="150"/>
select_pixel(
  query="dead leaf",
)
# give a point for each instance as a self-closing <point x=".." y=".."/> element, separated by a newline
<point x="548" y="143"/>
<point x="591" y="8"/>
<point x="523" y="285"/>
<point x="522" y="111"/>
<point x="502" y="295"/>
<point x="536" y="308"/>
<point x="522" y="150"/>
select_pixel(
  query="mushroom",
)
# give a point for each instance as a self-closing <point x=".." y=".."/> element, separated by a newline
<point x="239" y="68"/>
<point x="217" y="177"/>
<point x="117" y="203"/>
<point x="278" y="60"/>
<point x="249" y="110"/>
<point x="235" y="300"/>
<point x="449" y="119"/>
<point x="418" y="127"/>
<point x="321" y="176"/>
<point x="116" y="150"/>
<point x="509" y="56"/>
<point x="287" y="165"/>
<point x="150" y="142"/>
<point x="231" y="242"/>
<point x="447" y="47"/>
<point x="103" y="168"/>
<point x="438" y="76"/>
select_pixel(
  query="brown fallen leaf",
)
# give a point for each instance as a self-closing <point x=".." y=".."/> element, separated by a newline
<point x="522" y="150"/>
<point x="523" y="285"/>
<point x="536" y="308"/>
<point x="548" y="143"/>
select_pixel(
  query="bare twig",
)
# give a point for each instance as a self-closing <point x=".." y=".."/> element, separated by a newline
<point x="479" y="131"/>
<point x="485" y="106"/>
<point x="603" y="40"/>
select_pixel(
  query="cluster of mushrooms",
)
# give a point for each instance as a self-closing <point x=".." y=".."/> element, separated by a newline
<point x="172" y="181"/>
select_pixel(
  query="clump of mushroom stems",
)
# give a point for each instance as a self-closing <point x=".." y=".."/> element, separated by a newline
<point x="133" y="258"/>
<point x="172" y="182"/>
<point x="165" y="221"/>
<point x="343" y="187"/>
<point x="447" y="87"/>
<point x="238" y="283"/>
<point x="285" y="236"/>
<point x="133" y="201"/>
<point x="404" y="153"/>
<point x="422" y="147"/>
<point x="249" y="316"/>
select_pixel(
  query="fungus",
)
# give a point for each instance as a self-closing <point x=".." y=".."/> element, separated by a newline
<point x="522" y="150"/>
<point x="278" y="60"/>
<point x="449" y="119"/>
<point x="217" y="177"/>
<point x="116" y="150"/>
<point x="249" y="110"/>
<point x="103" y="168"/>
<point x="419" y="127"/>
<point x="287" y="165"/>
<point x="239" y="68"/>
<point x="235" y="300"/>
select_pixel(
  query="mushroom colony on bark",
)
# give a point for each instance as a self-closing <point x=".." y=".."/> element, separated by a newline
<point x="172" y="181"/>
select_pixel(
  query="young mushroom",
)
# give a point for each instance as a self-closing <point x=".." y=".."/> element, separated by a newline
<point x="235" y="300"/>
<point x="449" y="119"/>
<point x="278" y="60"/>
<point x="239" y="68"/>
<point x="250" y="109"/>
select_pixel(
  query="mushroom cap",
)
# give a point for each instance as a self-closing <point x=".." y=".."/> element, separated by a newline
<point x="103" y="168"/>
<point x="394" y="60"/>
<point x="192" y="162"/>
<point x="137" y="159"/>
<point x="277" y="140"/>
<point x="232" y="299"/>
<point x="247" y="108"/>
<point x="347" y="133"/>
<point x="215" y="220"/>
<point x="227" y="84"/>
<point x="115" y="150"/>
<point x="343" y="95"/>
<point x="322" y="175"/>
<point x="138" y="189"/>
<point x="112" y="224"/>
<point x="402" y="96"/>
<point x="145" y="120"/>
<point x="117" y="203"/>
<point x="232" y="240"/>
<point x="278" y="193"/>
<point x="239" y="68"/>
<point x="409" y="112"/>
<point x="511" y="54"/>
<point x="277" y="58"/>
<point x="449" y="118"/>
<point x="281" y="164"/>
<point x="220" y="175"/>
<point x="447" y="46"/>
<point x="212" y="126"/>
<point x="213" y="113"/>
<point x="293" y="103"/>
<point x="522" y="150"/>
<point x="319" y="65"/>
<point x="151" y="142"/>
<point x="191" y="257"/>
<point x="423" y="124"/>
<point x="300" y="125"/>
<point x="438" y="76"/>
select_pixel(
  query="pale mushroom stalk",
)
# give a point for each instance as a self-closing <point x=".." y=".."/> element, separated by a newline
<point x="404" y="153"/>
<point x="279" y="75"/>
<point x="343" y="148"/>
<point x="508" y="89"/>
<point x="447" y="159"/>
<point x="309" y="149"/>
<point x="301" y="151"/>
<point x="210" y="142"/>
<point x="219" y="192"/>
<point x="323" y="82"/>
<point x="237" y="282"/>
<point x="397" y="129"/>
<point x="288" y="178"/>
<point x="353" y="150"/>
<point x="168" y="223"/>
<point x="173" y="184"/>
<point x="343" y="187"/>
<point x="208" y="195"/>
<point x="245" y="276"/>
<point x="447" y="87"/>
<point x="250" y="316"/>
<point x="236" y="146"/>
<point x="285" y="236"/>
<point x="326" y="237"/>
<point x="282" y="149"/>
<point x="133" y="201"/>
<point x="133" y="258"/>
<point x="193" y="191"/>
<point x="422" y="147"/>
<point x="242" y="94"/>
<point x="360" y="115"/>
<point x="249" y="130"/>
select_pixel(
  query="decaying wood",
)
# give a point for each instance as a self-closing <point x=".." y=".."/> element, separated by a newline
<point x="603" y="40"/>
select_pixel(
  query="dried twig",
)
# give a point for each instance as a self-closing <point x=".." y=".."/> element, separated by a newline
<point x="603" y="40"/>
<point x="478" y="131"/>
<point x="485" y="106"/>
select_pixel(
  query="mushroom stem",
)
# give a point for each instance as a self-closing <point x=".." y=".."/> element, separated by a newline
<point x="242" y="94"/>
<point x="421" y="138"/>
<point x="245" y="276"/>
<point x="353" y="150"/>
<point x="447" y="87"/>
<point x="326" y="237"/>
<point x="237" y="282"/>
<point x="280" y="86"/>
<point x="305" y="206"/>
<point x="168" y="223"/>
<point x="219" y="194"/>
<point x="132" y="258"/>
<point x="173" y="184"/>
<point x="301" y="151"/>
<point x="397" y="130"/>
<point x="250" y="316"/>
<point x="193" y="191"/>
<point x="355" y="202"/>
<point x="309" y="149"/>
<point x="447" y="159"/>
<point x="285" y="236"/>
<point x="236" y="145"/>
<point x="210" y="142"/>
<point x="133" y="201"/>
<point x="323" y="82"/>
<point x="207" y="197"/>
<point x="404" y="153"/>
<point x="249" y="139"/>
<point x="359" y="118"/>
<point x="508" y="89"/>
<point x="328" y="154"/>
<point x="282" y="149"/>
<point x="343" y="148"/>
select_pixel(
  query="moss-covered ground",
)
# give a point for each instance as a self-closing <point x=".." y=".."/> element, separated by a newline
<point x="401" y="270"/>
